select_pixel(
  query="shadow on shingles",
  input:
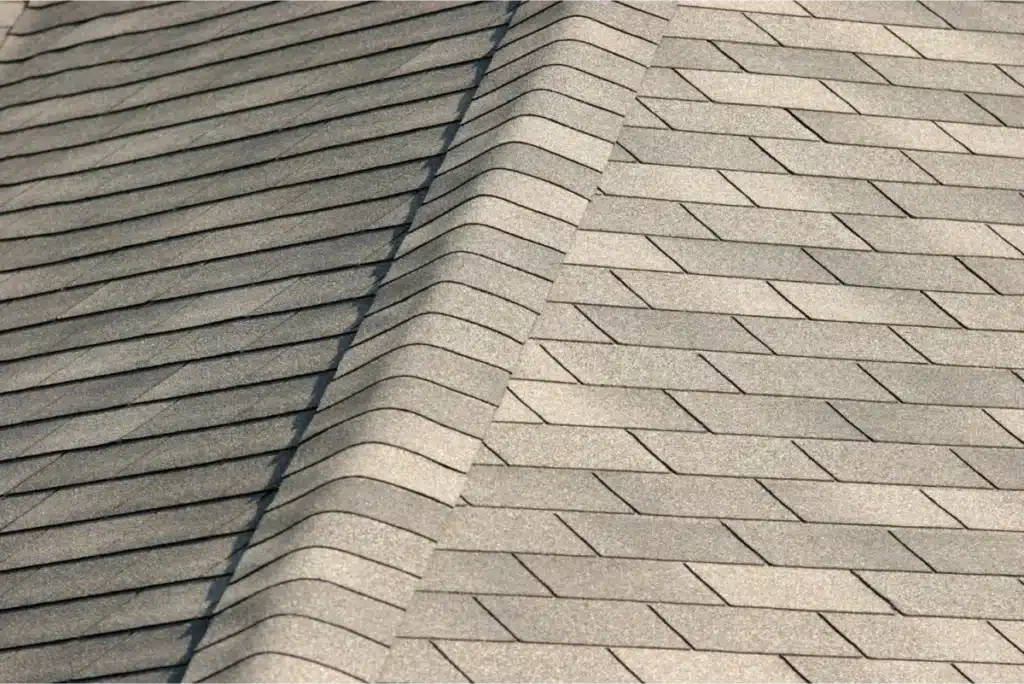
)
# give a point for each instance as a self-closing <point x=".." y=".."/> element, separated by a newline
<point x="301" y="422"/>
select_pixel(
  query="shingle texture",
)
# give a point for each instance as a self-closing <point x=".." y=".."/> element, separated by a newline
<point x="512" y="342"/>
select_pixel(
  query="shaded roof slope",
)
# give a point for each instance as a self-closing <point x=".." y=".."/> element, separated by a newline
<point x="198" y="201"/>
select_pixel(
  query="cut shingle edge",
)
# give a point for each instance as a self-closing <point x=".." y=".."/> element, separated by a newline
<point x="368" y="492"/>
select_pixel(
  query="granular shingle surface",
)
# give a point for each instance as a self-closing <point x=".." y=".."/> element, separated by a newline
<point x="487" y="341"/>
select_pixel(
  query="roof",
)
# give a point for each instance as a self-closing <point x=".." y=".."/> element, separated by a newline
<point x="432" y="341"/>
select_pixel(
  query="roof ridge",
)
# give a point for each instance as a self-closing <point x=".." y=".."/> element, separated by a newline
<point x="489" y="183"/>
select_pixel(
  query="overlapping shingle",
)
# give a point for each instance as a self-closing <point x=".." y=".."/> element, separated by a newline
<point x="752" y="268"/>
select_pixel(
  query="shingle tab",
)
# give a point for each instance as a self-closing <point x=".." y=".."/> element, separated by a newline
<point x="892" y="463"/>
<point x="674" y="329"/>
<point x="950" y="595"/>
<point x="798" y="377"/>
<point x="693" y="667"/>
<point x="603" y="406"/>
<point x="668" y="183"/>
<point x="755" y="630"/>
<point x="643" y="216"/>
<point x="680" y="148"/>
<point x="889" y="636"/>
<point x="983" y="509"/>
<point x="483" y="661"/>
<point x="570" y="447"/>
<point x="904" y="271"/>
<point x="910" y="103"/>
<point x="928" y="384"/>
<point x="767" y="415"/>
<point x="922" y="424"/>
<point x="790" y="61"/>
<point x="695" y="496"/>
<point x="941" y="75"/>
<point x="852" y="161"/>
<point x="516" y="487"/>
<point x="735" y="119"/>
<point x="832" y="35"/>
<point x="930" y="236"/>
<point x="840" y="502"/>
<point x="699" y="22"/>
<point x="703" y="454"/>
<point x="659" y="538"/>
<point x="864" y="670"/>
<point x="880" y="130"/>
<point x="791" y="588"/>
<point x="582" y="621"/>
<point x="752" y="224"/>
<point x="620" y="578"/>
<point x="864" y="304"/>
<point x="812" y="193"/>
<point x="715" y="257"/>
<point x="826" y="545"/>
<point x="708" y="293"/>
<point x="831" y="339"/>
<point x="966" y="46"/>
<point x="771" y="91"/>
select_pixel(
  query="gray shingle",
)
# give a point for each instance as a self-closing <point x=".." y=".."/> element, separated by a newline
<point x="812" y="193"/>
<point x="966" y="46"/>
<point x="984" y="311"/>
<point x="482" y="661"/>
<point x="755" y="630"/>
<point x="674" y="329"/>
<point x="830" y="339"/>
<point x="852" y="161"/>
<point x="485" y="573"/>
<point x="832" y="35"/>
<point x="963" y="169"/>
<point x="582" y="621"/>
<point x="913" y="272"/>
<point x="877" y="11"/>
<point x="659" y="538"/>
<point x="695" y="496"/>
<point x="699" y="22"/>
<point x="958" y="203"/>
<point x="494" y="529"/>
<point x="864" y="304"/>
<point x="714" y="257"/>
<point x="928" y="384"/>
<point x="922" y="73"/>
<point x="417" y="660"/>
<point x="799" y="377"/>
<point x="450" y="616"/>
<point x="556" y="446"/>
<point x="1006" y="276"/>
<point x="910" y="103"/>
<point x="750" y="224"/>
<point x="920" y="424"/>
<point x="635" y="215"/>
<point x="688" y="53"/>
<point x="930" y="236"/>
<point x="771" y="91"/>
<point x="618" y="250"/>
<point x="565" y="322"/>
<point x="766" y="415"/>
<point x="694" y="667"/>
<point x="996" y="140"/>
<point x="998" y="18"/>
<point x="702" y="454"/>
<point x="915" y="593"/>
<point x="1002" y="467"/>
<point x="708" y="293"/>
<point x="868" y="504"/>
<point x="941" y="639"/>
<point x="516" y="487"/>
<point x="826" y="545"/>
<point x="620" y="578"/>
<point x="879" y="130"/>
<point x="736" y="119"/>
<point x="789" y="61"/>
<point x="983" y="509"/>
<point x="892" y="463"/>
<point x="668" y="183"/>
<point x="589" y="285"/>
<point x="864" y="670"/>
<point x="603" y="406"/>
<point x="791" y="588"/>
<point x="967" y="347"/>
<point x="1005" y="674"/>
<point x="679" y="148"/>
<point x="661" y="82"/>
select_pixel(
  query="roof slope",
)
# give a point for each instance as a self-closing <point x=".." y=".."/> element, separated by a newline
<point x="198" y="201"/>
<point x="271" y="268"/>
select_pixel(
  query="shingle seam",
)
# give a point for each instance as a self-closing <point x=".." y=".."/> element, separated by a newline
<point x="456" y="434"/>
